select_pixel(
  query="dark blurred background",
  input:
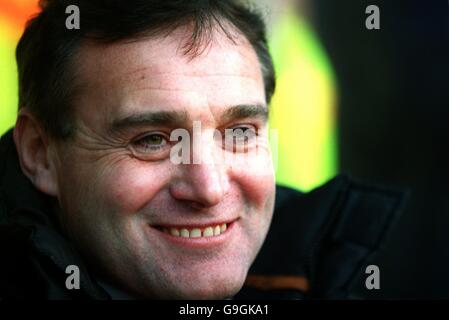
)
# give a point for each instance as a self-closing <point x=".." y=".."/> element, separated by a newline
<point x="393" y="127"/>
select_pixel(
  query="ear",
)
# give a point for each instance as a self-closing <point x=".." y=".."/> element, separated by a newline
<point x="35" y="158"/>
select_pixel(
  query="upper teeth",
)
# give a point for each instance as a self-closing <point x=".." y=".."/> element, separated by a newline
<point x="210" y="231"/>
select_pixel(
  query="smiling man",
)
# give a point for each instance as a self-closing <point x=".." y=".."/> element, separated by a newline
<point x="97" y="187"/>
<point x="119" y="189"/>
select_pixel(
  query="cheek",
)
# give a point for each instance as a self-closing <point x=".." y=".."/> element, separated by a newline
<point x="127" y="188"/>
<point x="258" y="192"/>
<point x="255" y="176"/>
<point x="257" y="185"/>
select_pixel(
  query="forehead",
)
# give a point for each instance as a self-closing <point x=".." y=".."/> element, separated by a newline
<point x="156" y="73"/>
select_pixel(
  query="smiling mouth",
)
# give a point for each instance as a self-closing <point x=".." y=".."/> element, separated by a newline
<point x="195" y="232"/>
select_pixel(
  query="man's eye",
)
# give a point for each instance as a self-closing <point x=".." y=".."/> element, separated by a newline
<point x="150" y="143"/>
<point x="240" y="138"/>
<point x="240" y="134"/>
<point x="245" y="130"/>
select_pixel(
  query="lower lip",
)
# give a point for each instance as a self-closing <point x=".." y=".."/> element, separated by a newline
<point x="200" y="242"/>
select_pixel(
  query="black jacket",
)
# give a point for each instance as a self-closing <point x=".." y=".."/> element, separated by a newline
<point x="318" y="245"/>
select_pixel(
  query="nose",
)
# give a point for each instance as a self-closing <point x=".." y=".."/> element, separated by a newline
<point x="202" y="185"/>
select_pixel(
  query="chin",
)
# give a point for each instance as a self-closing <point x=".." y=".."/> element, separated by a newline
<point x="200" y="289"/>
<point x="212" y="292"/>
<point x="220" y="283"/>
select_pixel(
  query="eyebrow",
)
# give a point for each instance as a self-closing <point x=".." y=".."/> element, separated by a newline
<point x="178" y="118"/>
<point x="245" y="111"/>
<point x="160" y="118"/>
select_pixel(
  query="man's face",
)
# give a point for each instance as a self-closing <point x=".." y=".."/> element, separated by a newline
<point x="156" y="228"/>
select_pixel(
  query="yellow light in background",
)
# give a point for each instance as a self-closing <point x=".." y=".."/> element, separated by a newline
<point x="303" y="107"/>
<point x="13" y="15"/>
<point x="8" y="78"/>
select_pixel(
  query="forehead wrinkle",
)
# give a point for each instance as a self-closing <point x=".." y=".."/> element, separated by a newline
<point x="170" y="85"/>
<point x="143" y="75"/>
<point x="163" y="66"/>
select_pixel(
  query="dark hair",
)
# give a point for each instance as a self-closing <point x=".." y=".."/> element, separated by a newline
<point x="46" y="49"/>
